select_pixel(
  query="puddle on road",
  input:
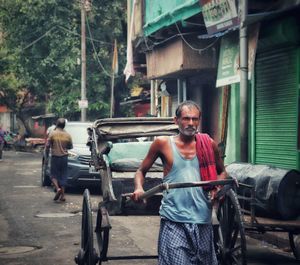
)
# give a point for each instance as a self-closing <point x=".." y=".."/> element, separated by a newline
<point x="16" y="250"/>
<point x="54" y="215"/>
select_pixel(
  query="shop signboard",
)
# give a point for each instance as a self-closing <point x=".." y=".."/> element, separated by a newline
<point x="229" y="57"/>
<point x="219" y="15"/>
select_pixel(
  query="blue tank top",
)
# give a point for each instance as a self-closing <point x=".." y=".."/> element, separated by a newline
<point x="186" y="205"/>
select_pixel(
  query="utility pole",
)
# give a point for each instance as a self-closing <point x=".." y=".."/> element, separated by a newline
<point x="85" y="5"/>
<point x="243" y="82"/>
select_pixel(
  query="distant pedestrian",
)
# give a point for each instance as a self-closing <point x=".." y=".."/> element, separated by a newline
<point x="1" y="141"/>
<point x="59" y="141"/>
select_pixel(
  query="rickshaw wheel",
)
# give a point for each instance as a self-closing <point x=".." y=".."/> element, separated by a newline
<point x="293" y="238"/>
<point x="230" y="240"/>
<point x="89" y="255"/>
<point x="102" y="232"/>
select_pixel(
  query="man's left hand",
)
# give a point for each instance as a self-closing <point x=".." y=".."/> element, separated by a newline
<point x="214" y="192"/>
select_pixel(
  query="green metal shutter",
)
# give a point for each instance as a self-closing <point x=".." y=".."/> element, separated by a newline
<point x="276" y="108"/>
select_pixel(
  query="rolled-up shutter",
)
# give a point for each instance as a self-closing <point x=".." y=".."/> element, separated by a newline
<point x="276" y="108"/>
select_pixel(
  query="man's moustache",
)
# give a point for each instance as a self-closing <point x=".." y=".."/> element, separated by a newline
<point x="190" y="128"/>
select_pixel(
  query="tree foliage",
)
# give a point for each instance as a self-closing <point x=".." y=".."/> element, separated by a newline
<point x="41" y="49"/>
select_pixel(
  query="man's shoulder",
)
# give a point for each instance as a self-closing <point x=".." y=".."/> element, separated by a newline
<point x="162" y="139"/>
<point x="65" y="133"/>
<point x="204" y="138"/>
<point x="68" y="134"/>
<point x="200" y="135"/>
<point x="59" y="132"/>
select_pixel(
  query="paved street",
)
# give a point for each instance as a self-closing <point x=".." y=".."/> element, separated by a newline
<point x="45" y="232"/>
<point x="35" y="230"/>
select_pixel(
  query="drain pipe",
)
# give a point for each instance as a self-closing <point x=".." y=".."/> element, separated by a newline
<point x="243" y="82"/>
<point x="152" y="99"/>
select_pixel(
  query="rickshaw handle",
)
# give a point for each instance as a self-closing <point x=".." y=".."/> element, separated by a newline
<point x="167" y="186"/>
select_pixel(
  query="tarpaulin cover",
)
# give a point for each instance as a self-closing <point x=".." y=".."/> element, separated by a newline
<point x="129" y="156"/>
<point x="277" y="190"/>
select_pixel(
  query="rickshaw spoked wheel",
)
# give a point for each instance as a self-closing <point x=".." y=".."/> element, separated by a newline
<point x="102" y="232"/>
<point x="87" y="254"/>
<point x="230" y="240"/>
<point x="294" y="242"/>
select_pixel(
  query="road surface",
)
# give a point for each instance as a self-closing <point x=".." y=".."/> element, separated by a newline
<point x="35" y="230"/>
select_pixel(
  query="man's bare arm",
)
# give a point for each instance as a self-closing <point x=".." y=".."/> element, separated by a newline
<point x="140" y="174"/>
<point x="221" y="171"/>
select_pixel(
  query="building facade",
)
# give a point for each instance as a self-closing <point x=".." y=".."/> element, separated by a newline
<point x="172" y="47"/>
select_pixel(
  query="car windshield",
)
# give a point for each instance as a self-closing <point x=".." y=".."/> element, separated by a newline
<point x="78" y="132"/>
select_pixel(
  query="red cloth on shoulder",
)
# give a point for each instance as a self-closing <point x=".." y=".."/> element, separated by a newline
<point x="206" y="157"/>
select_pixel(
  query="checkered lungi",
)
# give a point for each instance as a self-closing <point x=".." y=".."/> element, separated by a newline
<point x="186" y="244"/>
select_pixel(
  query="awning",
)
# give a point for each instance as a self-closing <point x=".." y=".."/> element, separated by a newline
<point x="169" y="15"/>
<point x="254" y="18"/>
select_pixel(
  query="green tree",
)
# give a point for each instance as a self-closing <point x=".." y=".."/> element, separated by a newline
<point x="40" y="50"/>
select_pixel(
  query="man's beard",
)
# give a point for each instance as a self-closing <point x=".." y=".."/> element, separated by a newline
<point x="188" y="131"/>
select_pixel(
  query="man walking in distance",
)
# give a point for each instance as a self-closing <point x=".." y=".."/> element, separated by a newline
<point x="186" y="233"/>
<point x="59" y="141"/>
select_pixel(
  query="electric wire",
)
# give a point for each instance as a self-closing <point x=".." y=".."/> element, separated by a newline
<point x="39" y="38"/>
<point x="146" y="43"/>
<point x="156" y="43"/>
<point x="193" y="48"/>
<point x="88" y="38"/>
<point x="94" y="49"/>
<point x="65" y="29"/>
<point x="182" y="37"/>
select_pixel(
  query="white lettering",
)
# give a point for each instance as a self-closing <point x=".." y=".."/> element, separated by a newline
<point x="225" y="24"/>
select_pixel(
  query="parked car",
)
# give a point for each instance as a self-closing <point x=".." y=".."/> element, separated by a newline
<point x="80" y="173"/>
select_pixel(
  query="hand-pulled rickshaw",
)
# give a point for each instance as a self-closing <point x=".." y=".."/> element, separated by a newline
<point x="117" y="146"/>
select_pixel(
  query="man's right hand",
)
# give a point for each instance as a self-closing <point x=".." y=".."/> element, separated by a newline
<point x="136" y="195"/>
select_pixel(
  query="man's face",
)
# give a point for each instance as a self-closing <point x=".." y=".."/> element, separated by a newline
<point x="188" y="122"/>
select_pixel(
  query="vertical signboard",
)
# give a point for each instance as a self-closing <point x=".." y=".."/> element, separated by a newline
<point x="219" y="15"/>
<point x="229" y="58"/>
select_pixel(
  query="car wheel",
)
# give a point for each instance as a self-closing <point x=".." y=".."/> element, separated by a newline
<point x="45" y="179"/>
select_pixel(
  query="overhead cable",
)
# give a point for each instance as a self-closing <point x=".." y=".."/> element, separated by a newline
<point x="39" y="38"/>
<point x="95" y="52"/>
<point x="65" y="29"/>
<point x="193" y="48"/>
